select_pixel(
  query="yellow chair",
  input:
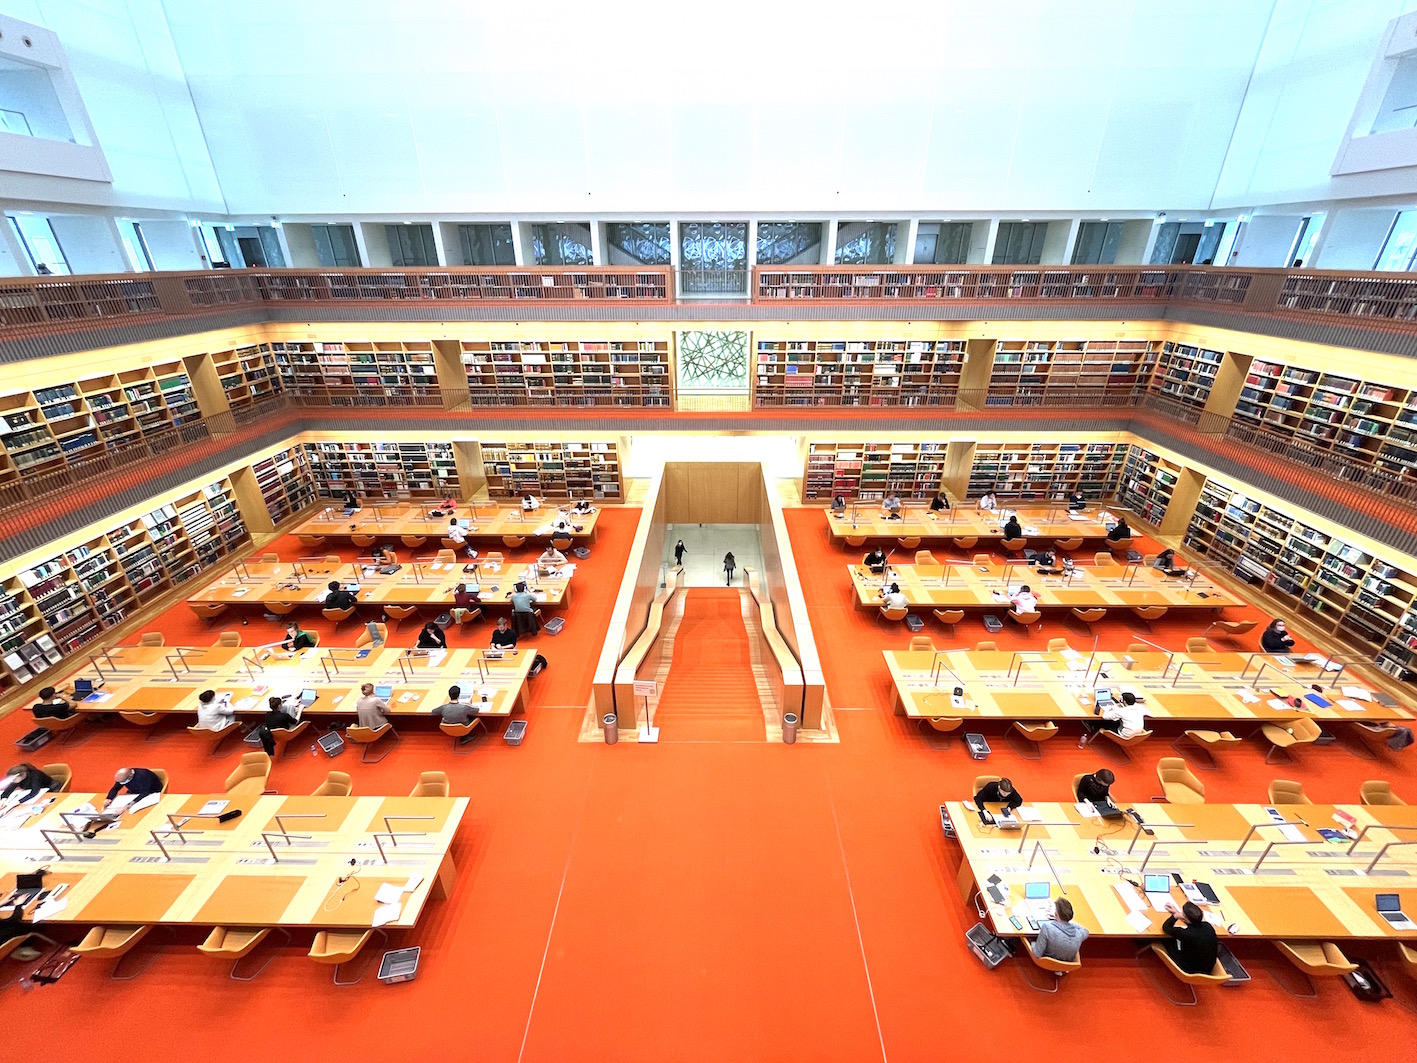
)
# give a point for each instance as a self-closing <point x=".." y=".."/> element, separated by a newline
<point x="338" y="947"/>
<point x="363" y="541"/>
<point x="1206" y="742"/>
<point x="981" y="781"/>
<point x="494" y="558"/>
<point x="114" y="943"/>
<point x="1119" y="546"/>
<point x="1035" y="733"/>
<point x="1057" y="645"/>
<point x="1104" y="561"/>
<point x="1058" y="969"/>
<point x="1089" y="616"/>
<point x="983" y="559"/>
<point x="368" y="737"/>
<point x="469" y="615"/>
<point x="236" y="943"/>
<point x="250" y="775"/>
<point x="908" y="542"/>
<point x="151" y="638"/>
<point x="1230" y="629"/>
<point x="894" y="615"/>
<point x="463" y="733"/>
<point x="1372" y="792"/>
<point x="450" y="545"/>
<point x="366" y="638"/>
<point x="1217" y="976"/>
<point x="63" y="775"/>
<point x="1124" y="744"/>
<point x="1287" y="792"/>
<point x="1178" y="785"/>
<point x="65" y="727"/>
<point x="987" y="646"/>
<point x="855" y="541"/>
<point x="399" y="613"/>
<point x="269" y="559"/>
<point x="20" y="941"/>
<point x="445" y="557"/>
<point x="513" y="541"/>
<point x="207" y="611"/>
<point x="339" y="616"/>
<point x="1322" y="958"/>
<point x="921" y="642"/>
<point x="336" y="784"/>
<point x="229" y="638"/>
<point x="1147" y="613"/>
<point x="944" y="725"/>
<point x="1197" y="645"/>
<point x="949" y="617"/>
<point x="1077" y="781"/>
<point x="281" y="608"/>
<point x="283" y="736"/>
<point x="1067" y="545"/>
<point x="1013" y="546"/>
<point x="966" y="542"/>
<point x="1027" y="620"/>
<point x="161" y="774"/>
<point x="142" y="719"/>
<point x="333" y="559"/>
<point x="1286" y="735"/>
<point x="311" y="540"/>
<point x="924" y="557"/>
<point x="231" y="730"/>
<point x="431" y="784"/>
<point x="413" y="542"/>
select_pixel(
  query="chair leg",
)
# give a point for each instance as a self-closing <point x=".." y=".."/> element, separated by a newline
<point x="147" y="955"/>
<point x="363" y="967"/>
<point x="1197" y="750"/>
<point x="237" y="732"/>
<point x="1021" y="745"/>
<point x="365" y="758"/>
<point x="1162" y="987"/>
<point x="1269" y="757"/>
<point x="1305" y="990"/>
<point x="246" y="976"/>
<point x="1026" y="968"/>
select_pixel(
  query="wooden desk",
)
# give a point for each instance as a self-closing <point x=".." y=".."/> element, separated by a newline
<point x="1049" y="686"/>
<point x="225" y="875"/>
<point x="962" y="585"/>
<point x="488" y="521"/>
<point x="259" y="584"/>
<point x="142" y="679"/>
<point x="1294" y="895"/>
<point x="1047" y="523"/>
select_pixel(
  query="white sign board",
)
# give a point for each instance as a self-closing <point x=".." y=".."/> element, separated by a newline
<point x="646" y="688"/>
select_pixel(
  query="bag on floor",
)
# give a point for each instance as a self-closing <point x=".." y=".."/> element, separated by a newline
<point x="581" y="552"/>
<point x="40" y="736"/>
<point x="538" y="665"/>
<point x="1365" y="983"/>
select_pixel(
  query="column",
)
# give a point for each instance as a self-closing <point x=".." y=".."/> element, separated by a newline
<point x="1183" y="503"/>
<point x="912" y="230"/>
<point x="438" y="245"/>
<point x="249" y="500"/>
<point x="992" y="234"/>
<point x="959" y="460"/>
<point x="597" y="247"/>
<point x="518" y="257"/>
<point x="206" y="385"/>
<point x="452" y="376"/>
<point x="974" y="376"/>
<point x="472" y="474"/>
<point x="1229" y="380"/>
<point x="829" y="244"/>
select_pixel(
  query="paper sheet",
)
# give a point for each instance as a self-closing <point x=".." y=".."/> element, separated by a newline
<point x="213" y="808"/>
<point x="1071" y="655"/>
<point x="387" y="913"/>
<point x="1130" y="897"/>
<point x="1292" y="833"/>
<point x="389" y="893"/>
<point x="414" y="881"/>
<point x="1029" y="814"/>
<point x="1085" y="808"/>
<point x="48" y="909"/>
<point x="1139" y="921"/>
<point x="146" y="802"/>
<point x="1352" y="706"/>
<point x="1357" y="693"/>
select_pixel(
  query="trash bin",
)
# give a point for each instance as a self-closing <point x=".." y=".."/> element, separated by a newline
<point x="612" y="729"/>
<point x="789" y="728"/>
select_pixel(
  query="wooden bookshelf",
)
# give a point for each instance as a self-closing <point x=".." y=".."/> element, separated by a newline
<point x="1186" y="373"/>
<point x="285" y="482"/>
<point x="1361" y="599"/>
<point x="382" y="470"/>
<point x="553" y="470"/>
<point x="568" y="372"/>
<point x="359" y="372"/>
<point x="866" y="471"/>
<point x="857" y="372"/>
<point x="67" y="601"/>
<point x="247" y="374"/>
<point x="1147" y="484"/>
<point x="1037" y="372"/>
<point x="1028" y="471"/>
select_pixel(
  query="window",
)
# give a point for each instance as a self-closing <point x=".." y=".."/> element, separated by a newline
<point x="1097" y="243"/>
<point x="1307" y="237"/>
<point x="645" y="243"/>
<point x="868" y="243"/>
<point x="1019" y="243"/>
<point x="782" y="243"/>
<point x="713" y="257"/>
<point x="486" y="245"/>
<point x="335" y="245"/>
<point x="135" y="246"/>
<point x="411" y="245"/>
<point x="943" y="243"/>
<point x="1399" y="107"/>
<point x="215" y="253"/>
<point x="40" y="243"/>
<point x="561" y="244"/>
<point x="1401" y="244"/>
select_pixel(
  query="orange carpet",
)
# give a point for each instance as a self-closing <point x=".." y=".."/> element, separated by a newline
<point x="704" y="901"/>
<point x="710" y="695"/>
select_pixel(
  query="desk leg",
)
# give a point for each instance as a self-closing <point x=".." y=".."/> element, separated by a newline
<point x="447" y="876"/>
<point x="899" y="705"/>
<point x="965" y="880"/>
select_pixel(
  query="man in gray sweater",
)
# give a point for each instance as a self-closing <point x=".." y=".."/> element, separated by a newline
<point x="1060" y="938"/>
<point x="455" y="710"/>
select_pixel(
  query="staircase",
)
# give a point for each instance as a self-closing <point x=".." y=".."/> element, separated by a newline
<point x="710" y="693"/>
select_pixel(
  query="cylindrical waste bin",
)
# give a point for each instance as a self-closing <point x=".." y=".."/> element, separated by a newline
<point x="789" y="728"/>
<point x="612" y="729"/>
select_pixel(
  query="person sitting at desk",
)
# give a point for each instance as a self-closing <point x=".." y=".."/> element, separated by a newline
<point x="448" y="505"/>
<point x="1119" y="531"/>
<point x="890" y="506"/>
<point x="1076" y="503"/>
<point x="988" y="502"/>
<point x="279" y="717"/>
<point x="1012" y="528"/>
<point x="504" y="638"/>
<point x="51" y="706"/>
<point x="939" y="502"/>
<point x="214" y="713"/>
<point x="296" y="638"/>
<point x="524" y="620"/>
<point x="1125" y="719"/>
<point x="384" y="555"/>
<point x="338" y="598"/>
<point x="1193" y="946"/>
<point x="1059" y="938"/>
<point x="24" y="777"/>
<point x="456" y="532"/>
<point x="894" y="599"/>
<point x="550" y="558"/>
<point x="582" y="506"/>
<point x="432" y="637"/>
<point x="464" y="598"/>
<point x="1166" y="562"/>
<point x="455" y="710"/>
<point x="1096" y="786"/>
<point x="1273" y="639"/>
<point x="875" y="560"/>
<point x="998" y="793"/>
<point x="136" y="781"/>
<point x="1024" y="601"/>
<point x="839" y="505"/>
<point x="530" y="503"/>
<point x="351" y="500"/>
<point x="370" y="708"/>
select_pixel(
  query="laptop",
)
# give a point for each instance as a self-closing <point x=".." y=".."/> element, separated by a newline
<point x="308" y="696"/>
<point x="1106" y="809"/>
<point x="82" y="688"/>
<point x="383" y="690"/>
<point x="1037" y="896"/>
<point x="1158" y="890"/>
<point x="1390" y="908"/>
<point x="353" y="588"/>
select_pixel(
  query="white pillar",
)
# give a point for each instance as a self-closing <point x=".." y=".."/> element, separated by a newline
<point x="438" y="243"/>
<point x="1151" y="242"/>
<point x="912" y="231"/>
<point x="993" y="234"/>
<point x="829" y="245"/>
<point x="752" y="247"/>
<point x="280" y="239"/>
<point x="597" y="252"/>
<point x="359" y="243"/>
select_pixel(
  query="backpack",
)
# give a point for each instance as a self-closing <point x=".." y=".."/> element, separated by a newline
<point x="538" y="665"/>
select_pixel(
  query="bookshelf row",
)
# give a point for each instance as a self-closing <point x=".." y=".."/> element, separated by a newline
<point x="1033" y="372"/>
<point x="1186" y="373"/>
<point x="867" y="471"/>
<point x="381" y="470"/>
<point x="1363" y="600"/>
<point x="66" y="602"/>
<point x="568" y="372"/>
<point x="285" y="482"/>
<point x="553" y="470"/>
<point x="858" y="372"/>
<point x="1045" y="471"/>
<point x="1148" y="481"/>
<point x="44" y="430"/>
<point x="357" y="373"/>
<point x="247" y="374"/>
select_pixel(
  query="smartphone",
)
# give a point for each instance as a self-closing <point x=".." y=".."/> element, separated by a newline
<point x="1177" y="876"/>
<point x="1015" y="920"/>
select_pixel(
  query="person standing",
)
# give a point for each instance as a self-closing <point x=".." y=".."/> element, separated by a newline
<point x="524" y="621"/>
<point x="679" y="552"/>
<point x="728" y="566"/>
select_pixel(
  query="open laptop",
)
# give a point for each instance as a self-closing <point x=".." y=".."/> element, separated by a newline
<point x="1389" y="906"/>
<point x="1038" y="897"/>
<point x="1158" y="890"/>
<point x="82" y="688"/>
<point x="383" y="690"/>
<point x="1106" y="809"/>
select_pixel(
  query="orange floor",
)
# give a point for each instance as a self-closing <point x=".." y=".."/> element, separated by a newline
<point x="710" y="695"/>
<point x="702" y="900"/>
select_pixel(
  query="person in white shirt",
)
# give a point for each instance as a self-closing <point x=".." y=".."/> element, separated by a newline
<point x="530" y="503"/>
<point x="989" y="503"/>
<point x="214" y="713"/>
<point x="891" y="504"/>
<point x="456" y="532"/>
<point x="895" y="599"/>
<point x="1024" y="601"/>
<point x="1125" y="718"/>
